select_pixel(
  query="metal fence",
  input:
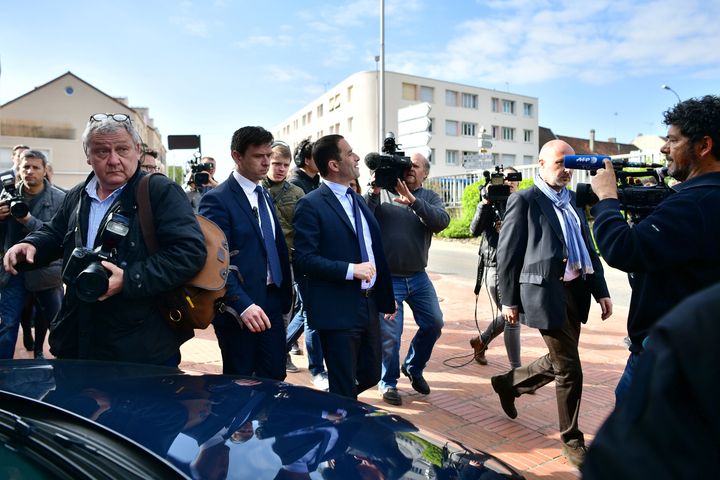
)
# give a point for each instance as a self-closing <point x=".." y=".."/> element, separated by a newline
<point x="451" y="187"/>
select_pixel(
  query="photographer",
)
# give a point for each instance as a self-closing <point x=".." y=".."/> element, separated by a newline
<point x="673" y="252"/>
<point x="37" y="203"/>
<point x="487" y="222"/>
<point x="408" y="218"/>
<point x="200" y="180"/>
<point x="124" y="322"/>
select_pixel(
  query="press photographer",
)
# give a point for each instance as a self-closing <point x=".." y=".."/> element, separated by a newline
<point x="388" y="169"/>
<point x="125" y="323"/>
<point x="199" y="179"/>
<point x="487" y="222"/>
<point x="673" y="252"/>
<point x="640" y="186"/>
<point x="23" y="209"/>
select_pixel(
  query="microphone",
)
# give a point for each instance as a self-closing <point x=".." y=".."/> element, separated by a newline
<point x="255" y="212"/>
<point x="585" y="162"/>
<point x="372" y="160"/>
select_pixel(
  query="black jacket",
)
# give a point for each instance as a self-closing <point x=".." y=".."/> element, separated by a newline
<point x="128" y="326"/>
<point x="301" y="179"/>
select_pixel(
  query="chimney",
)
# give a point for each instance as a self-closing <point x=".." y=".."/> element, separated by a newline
<point x="612" y="140"/>
<point x="591" y="143"/>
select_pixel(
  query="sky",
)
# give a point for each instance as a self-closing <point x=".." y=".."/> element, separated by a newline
<point x="210" y="67"/>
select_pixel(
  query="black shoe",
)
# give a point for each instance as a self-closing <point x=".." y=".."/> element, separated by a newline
<point x="507" y="398"/>
<point x="290" y="367"/>
<point x="39" y="356"/>
<point x="28" y="341"/>
<point x="479" y="350"/>
<point x="417" y="381"/>
<point x="575" y="455"/>
<point x="295" y="349"/>
<point x="391" y="396"/>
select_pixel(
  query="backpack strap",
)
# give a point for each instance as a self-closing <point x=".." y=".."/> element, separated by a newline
<point x="145" y="213"/>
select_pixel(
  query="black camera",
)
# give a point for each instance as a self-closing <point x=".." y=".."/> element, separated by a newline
<point x="495" y="189"/>
<point x="640" y="186"/>
<point x="388" y="168"/>
<point x="84" y="270"/>
<point x="200" y="175"/>
<point x="11" y="197"/>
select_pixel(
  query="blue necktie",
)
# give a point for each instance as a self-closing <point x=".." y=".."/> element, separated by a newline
<point x="272" y="254"/>
<point x="358" y="226"/>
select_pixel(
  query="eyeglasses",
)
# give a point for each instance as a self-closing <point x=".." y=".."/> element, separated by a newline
<point x="118" y="117"/>
<point x="149" y="168"/>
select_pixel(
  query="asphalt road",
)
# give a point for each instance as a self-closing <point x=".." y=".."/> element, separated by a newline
<point x="458" y="258"/>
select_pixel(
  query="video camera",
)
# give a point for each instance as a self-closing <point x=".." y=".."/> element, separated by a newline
<point x="638" y="199"/>
<point x="199" y="170"/>
<point x="388" y="168"/>
<point x="84" y="269"/>
<point x="495" y="190"/>
<point x="10" y="196"/>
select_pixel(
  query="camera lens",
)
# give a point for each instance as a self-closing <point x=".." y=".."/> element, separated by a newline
<point x="18" y="209"/>
<point x="91" y="282"/>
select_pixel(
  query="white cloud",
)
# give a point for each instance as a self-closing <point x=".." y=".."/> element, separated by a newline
<point x="192" y="26"/>
<point x="265" y="41"/>
<point x="282" y="74"/>
<point x="522" y="41"/>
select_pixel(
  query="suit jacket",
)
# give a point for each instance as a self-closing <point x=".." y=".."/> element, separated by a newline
<point x="531" y="258"/>
<point x="229" y="208"/>
<point x="325" y="243"/>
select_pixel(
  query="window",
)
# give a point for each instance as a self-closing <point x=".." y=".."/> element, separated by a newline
<point x="295" y="124"/>
<point x="319" y="134"/>
<point x="451" y="98"/>
<point x="334" y="102"/>
<point x="496" y="158"/>
<point x="508" y="106"/>
<point x="451" y="157"/>
<point x="309" y="116"/>
<point x="527" y="136"/>
<point x="508" y="133"/>
<point x="495" y="104"/>
<point x="304" y="119"/>
<point x="508" y="159"/>
<point x="467" y="154"/>
<point x="469" y="100"/>
<point x="430" y="128"/>
<point x="349" y="93"/>
<point x="451" y="128"/>
<point x="349" y="124"/>
<point x="332" y="129"/>
<point x="408" y="91"/>
<point x="426" y="94"/>
<point x="337" y="128"/>
<point x="528" y="109"/>
<point x="495" y="131"/>
<point x="431" y="158"/>
<point x="528" y="159"/>
<point x="320" y="110"/>
<point x="469" y="129"/>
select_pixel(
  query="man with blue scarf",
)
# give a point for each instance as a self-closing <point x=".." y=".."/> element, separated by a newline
<point x="547" y="270"/>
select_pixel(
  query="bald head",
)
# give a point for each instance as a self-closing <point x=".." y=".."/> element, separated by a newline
<point x="419" y="171"/>
<point x="552" y="165"/>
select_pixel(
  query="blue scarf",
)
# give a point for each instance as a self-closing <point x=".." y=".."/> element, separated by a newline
<point x="578" y="256"/>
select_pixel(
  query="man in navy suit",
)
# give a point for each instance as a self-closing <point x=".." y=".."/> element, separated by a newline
<point x="252" y="341"/>
<point x="341" y="269"/>
<point x="547" y="270"/>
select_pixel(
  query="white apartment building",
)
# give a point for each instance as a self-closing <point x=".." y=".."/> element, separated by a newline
<point x="458" y="113"/>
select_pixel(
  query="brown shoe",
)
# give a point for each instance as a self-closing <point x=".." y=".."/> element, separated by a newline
<point x="575" y="455"/>
<point x="479" y="348"/>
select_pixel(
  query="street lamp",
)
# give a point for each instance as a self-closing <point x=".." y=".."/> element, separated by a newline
<point x="666" y="87"/>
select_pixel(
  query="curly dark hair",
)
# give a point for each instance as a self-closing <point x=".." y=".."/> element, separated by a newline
<point x="697" y="118"/>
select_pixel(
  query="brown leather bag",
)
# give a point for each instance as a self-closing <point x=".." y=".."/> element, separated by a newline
<point x="194" y="304"/>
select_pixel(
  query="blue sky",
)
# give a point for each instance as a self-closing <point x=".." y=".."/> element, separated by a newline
<point x="210" y="67"/>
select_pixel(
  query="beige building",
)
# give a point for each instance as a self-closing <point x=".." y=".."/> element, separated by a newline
<point x="458" y="114"/>
<point x="52" y="117"/>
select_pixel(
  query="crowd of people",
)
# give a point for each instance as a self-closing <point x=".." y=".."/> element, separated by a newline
<point x="310" y="252"/>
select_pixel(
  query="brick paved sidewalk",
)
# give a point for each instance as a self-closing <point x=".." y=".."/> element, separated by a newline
<point x="462" y="405"/>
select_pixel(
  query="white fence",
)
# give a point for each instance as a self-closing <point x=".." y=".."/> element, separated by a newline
<point x="451" y="187"/>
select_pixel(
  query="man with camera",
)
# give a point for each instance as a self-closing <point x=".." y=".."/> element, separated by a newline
<point x="341" y="270"/>
<point x="23" y="209"/>
<point x="547" y="270"/>
<point x="111" y="307"/>
<point x="200" y="180"/>
<point x="673" y="252"/>
<point x="487" y="221"/>
<point x="408" y="218"/>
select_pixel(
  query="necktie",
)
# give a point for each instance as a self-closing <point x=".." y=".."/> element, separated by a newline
<point x="358" y="225"/>
<point x="272" y="254"/>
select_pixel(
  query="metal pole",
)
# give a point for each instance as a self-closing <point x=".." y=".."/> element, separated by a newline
<point x="382" y="71"/>
<point x="666" y="87"/>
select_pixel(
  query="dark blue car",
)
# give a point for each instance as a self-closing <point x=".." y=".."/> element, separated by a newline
<point x="78" y="419"/>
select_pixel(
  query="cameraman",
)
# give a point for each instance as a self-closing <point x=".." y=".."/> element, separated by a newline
<point x="194" y="191"/>
<point x="408" y="219"/>
<point x="673" y="252"/>
<point x="125" y="323"/>
<point x="45" y="284"/>
<point x="487" y="222"/>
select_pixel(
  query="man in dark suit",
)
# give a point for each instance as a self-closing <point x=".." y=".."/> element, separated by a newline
<point x="547" y="270"/>
<point x="253" y="341"/>
<point x="341" y="269"/>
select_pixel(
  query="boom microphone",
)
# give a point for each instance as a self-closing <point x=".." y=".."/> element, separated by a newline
<point x="585" y="162"/>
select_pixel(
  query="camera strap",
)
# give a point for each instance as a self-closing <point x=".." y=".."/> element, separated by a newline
<point x="78" y="234"/>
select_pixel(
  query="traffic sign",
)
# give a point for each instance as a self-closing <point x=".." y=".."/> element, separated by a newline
<point x="485" y="144"/>
<point x="419" y="110"/>
<point x="413" y="126"/>
<point x="419" y="139"/>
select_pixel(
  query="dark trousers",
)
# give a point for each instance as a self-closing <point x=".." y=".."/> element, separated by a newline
<point x="260" y="354"/>
<point x="561" y="363"/>
<point x="353" y="356"/>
